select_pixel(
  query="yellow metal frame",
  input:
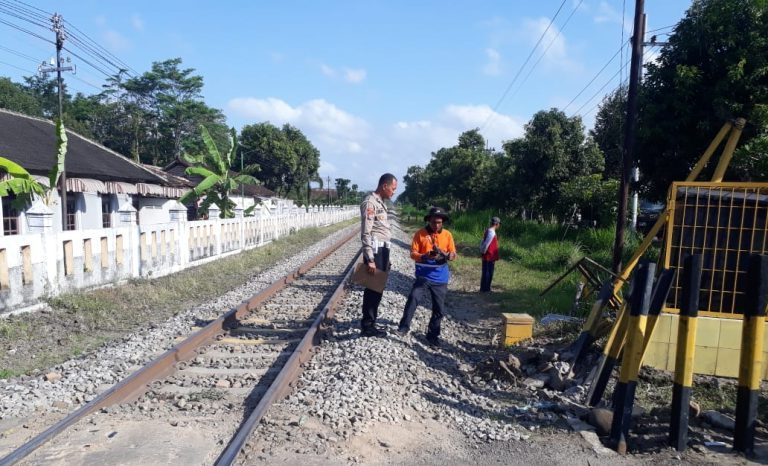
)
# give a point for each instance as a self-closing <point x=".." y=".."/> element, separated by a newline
<point x="728" y="208"/>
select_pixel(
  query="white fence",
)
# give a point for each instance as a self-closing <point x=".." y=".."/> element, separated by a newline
<point x="37" y="265"/>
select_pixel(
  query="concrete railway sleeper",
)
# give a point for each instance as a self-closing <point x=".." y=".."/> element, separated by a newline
<point x="230" y="371"/>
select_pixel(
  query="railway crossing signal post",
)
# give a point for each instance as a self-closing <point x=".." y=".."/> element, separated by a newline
<point x="57" y="25"/>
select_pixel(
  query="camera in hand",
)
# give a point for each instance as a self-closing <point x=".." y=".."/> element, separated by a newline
<point x="438" y="255"/>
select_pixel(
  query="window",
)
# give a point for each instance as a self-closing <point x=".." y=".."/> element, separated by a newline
<point x="106" y="211"/>
<point x="71" y="212"/>
<point x="10" y="216"/>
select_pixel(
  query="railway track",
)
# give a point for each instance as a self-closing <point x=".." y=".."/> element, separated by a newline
<point x="229" y="372"/>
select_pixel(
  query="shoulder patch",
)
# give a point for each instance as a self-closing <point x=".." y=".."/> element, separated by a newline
<point x="369" y="213"/>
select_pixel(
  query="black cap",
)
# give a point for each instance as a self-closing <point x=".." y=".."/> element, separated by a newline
<point x="436" y="212"/>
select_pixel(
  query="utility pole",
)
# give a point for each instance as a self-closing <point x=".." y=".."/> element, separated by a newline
<point x="329" y="189"/>
<point x="58" y="27"/>
<point x="630" y="129"/>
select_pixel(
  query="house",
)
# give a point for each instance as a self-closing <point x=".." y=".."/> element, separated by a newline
<point x="245" y="196"/>
<point x="100" y="182"/>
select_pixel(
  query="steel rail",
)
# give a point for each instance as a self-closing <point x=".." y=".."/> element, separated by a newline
<point x="288" y="374"/>
<point x="135" y="384"/>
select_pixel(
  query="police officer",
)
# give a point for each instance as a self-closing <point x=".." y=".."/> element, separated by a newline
<point x="375" y="234"/>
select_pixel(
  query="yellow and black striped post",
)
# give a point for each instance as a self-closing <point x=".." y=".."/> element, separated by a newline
<point x="686" y="344"/>
<point x="610" y="357"/>
<point x="751" y="360"/>
<point x="624" y="396"/>
<point x="587" y="335"/>
<point x="659" y="298"/>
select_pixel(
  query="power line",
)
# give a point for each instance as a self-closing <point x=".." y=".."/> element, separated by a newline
<point x="520" y="70"/>
<point x="10" y="12"/>
<point x="104" y="50"/>
<point x="27" y="31"/>
<point x="18" y="68"/>
<point x="20" y="54"/>
<point x="645" y="53"/>
<point x="42" y="13"/>
<point x="544" y="53"/>
<point x="100" y="57"/>
<point x="594" y="78"/>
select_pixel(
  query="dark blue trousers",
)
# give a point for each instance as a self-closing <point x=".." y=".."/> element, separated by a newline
<point x="372" y="299"/>
<point x="487" y="275"/>
<point x="437" y="292"/>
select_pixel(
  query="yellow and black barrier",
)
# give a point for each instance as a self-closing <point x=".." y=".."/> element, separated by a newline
<point x="624" y="395"/>
<point x="751" y="360"/>
<point x="610" y="357"/>
<point x="686" y="344"/>
<point x="587" y="335"/>
<point x="616" y="338"/>
<point x="660" y="293"/>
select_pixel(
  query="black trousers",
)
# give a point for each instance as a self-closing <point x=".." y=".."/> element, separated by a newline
<point x="371" y="299"/>
<point x="487" y="275"/>
<point x="437" y="292"/>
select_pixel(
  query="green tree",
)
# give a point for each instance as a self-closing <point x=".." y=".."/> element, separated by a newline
<point x="594" y="196"/>
<point x="608" y="132"/>
<point x="552" y="151"/>
<point x="342" y="189"/>
<point x="16" y="98"/>
<point x="713" y="68"/>
<point x="218" y="181"/>
<point x="46" y="91"/>
<point x="288" y="160"/>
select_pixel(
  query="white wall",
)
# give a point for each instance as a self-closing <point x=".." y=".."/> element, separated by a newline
<point x="58" y="262"/>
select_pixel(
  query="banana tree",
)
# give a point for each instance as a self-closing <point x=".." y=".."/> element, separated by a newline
<point x="217" y="182"/>
<point x="24" y="185"/>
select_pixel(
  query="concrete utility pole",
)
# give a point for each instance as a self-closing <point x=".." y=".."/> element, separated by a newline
<point x="630" y="129"/>
<point x="58" y="27"/>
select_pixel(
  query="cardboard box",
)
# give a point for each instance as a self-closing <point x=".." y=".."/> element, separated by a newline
<point x="516" y="327"/>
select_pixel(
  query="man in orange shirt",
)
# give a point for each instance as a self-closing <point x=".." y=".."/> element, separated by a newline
<point x="431" y="248"/>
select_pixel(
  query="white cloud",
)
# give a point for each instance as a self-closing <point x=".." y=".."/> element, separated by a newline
<point x="354" y="76"/>
<point x="352" y="148"/>
<point x="115" y="41"/>
<point x="492" y="66"/>
<point x="327" y="167"/>
<point x="328" y="127"/>
<point x="137" y="22"/>
<point x="350" y="75"/>
<point x="607" y="14"/>
<point x="557" y="52"/>
<point x="327" y="70"/>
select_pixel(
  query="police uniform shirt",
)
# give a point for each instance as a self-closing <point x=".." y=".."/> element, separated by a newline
<point x="375" y="229"/>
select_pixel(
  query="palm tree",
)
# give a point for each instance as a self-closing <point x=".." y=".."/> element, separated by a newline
<point x="217" y="181"/>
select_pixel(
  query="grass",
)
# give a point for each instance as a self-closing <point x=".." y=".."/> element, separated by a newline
<point x="533" y="255"/>
<point x="81" y="321"/>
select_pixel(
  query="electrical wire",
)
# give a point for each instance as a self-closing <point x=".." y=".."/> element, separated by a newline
<point x="595" y="77"/>
<point x="520" y="70"/>
<point x="122" y="64"/>
<point x="20" y="54"/>
<point x="645" y="53"/>
<point x="544" y="53"/>
<point x="18" y="68"/>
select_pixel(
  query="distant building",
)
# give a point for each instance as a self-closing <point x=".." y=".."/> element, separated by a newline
<point x="100" y="182"/>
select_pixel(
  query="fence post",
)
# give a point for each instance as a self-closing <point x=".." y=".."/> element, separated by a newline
<point x="624" y="396"/>
<point x="686" y="346"/>
<point x="751" y="358"/>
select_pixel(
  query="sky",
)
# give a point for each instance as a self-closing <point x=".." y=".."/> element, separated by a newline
<point x="375" y="85"/>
